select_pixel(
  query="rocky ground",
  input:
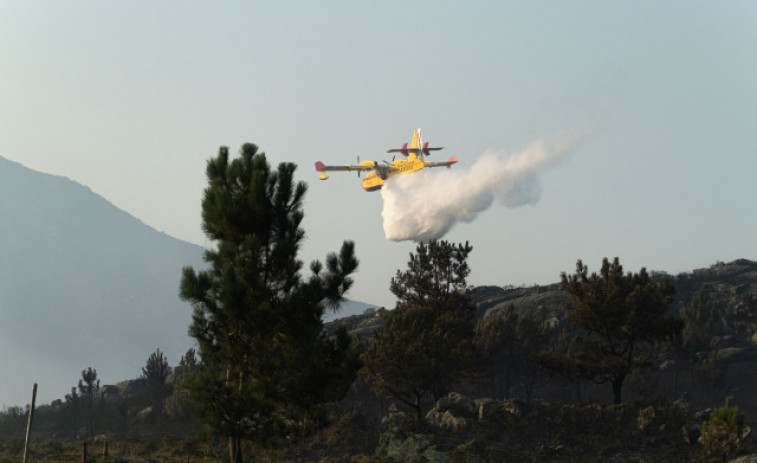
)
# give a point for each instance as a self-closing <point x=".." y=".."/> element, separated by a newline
<point x="484" y="430"/>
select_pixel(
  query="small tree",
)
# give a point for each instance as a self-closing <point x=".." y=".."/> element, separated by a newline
<point x="178" y="404"/>
<point x="621" y="315"/>
<point x="155" y="372"/>
<point x="698" y="323"/>
<point x="511" y="340"/>
<point x="88" y="386"/>
<point x="496" y="335"/>
<point x="721" y="433"/>
<point x="532" y="335"/>
<point x="713" y="372"/>
<point x="425" y="345"/>
<point x="72" y="412"/>
<point x="186" y="366"/>
<point x="699" y="326"/>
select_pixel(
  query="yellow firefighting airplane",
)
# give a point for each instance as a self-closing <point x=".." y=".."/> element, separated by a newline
<point x="381" y="173"/>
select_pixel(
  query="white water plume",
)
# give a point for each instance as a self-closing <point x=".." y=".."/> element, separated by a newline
<point x="426" y="204"/>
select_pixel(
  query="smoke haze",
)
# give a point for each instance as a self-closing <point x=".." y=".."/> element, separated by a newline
<point x="426" y="204"/>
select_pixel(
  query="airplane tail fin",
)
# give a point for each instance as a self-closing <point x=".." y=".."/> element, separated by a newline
<point x="416" y="140"/>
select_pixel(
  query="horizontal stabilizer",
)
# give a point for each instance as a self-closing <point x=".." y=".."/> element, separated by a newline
<point x="402" y="150"/>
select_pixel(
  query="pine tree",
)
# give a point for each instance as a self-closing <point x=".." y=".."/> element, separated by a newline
<point x="496" y="335"/>
<point x="621" y="315"/>
<point x="265" y="361"/>
<point x="510" y="340"/>
<point x="88" y="386"/>
<point x="179" y="404"/>
<point x="156" y="372"/>
<point x="425" y="345"/>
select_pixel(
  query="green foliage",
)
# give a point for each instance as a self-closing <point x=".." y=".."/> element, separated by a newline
<point x="425" y="345"/>
<point x="741" y="317"/>
<point x="712" y="371"/>
<point x="698" y="318"/>
<point x="622" y="315"/>
<point x="721" y="433"/>
<point x="179" y="403"/>
<point x="88" y="386"/>
<point x="155" y="372"/>
<point x="266" y="364"/>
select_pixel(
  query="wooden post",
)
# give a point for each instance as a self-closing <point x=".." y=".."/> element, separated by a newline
<point x="83" y="452"/>
<point x="29" y="423"/>
<point x="105" y="450"/>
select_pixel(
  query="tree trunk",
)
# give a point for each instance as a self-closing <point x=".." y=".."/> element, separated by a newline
<point x="417" y="411"/>
<point x="235" y="450"/>
<point x="507" y="381"/>
<point x="617" y="389"/>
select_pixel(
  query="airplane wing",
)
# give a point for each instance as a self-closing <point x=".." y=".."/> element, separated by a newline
<point x="321" y="167"/>
<point x="451" y="161"/>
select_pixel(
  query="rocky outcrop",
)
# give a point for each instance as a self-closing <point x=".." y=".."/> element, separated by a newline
<point x="457" y="412"/>
<point x="745" y="459"/>
<point x="458" y="428"/>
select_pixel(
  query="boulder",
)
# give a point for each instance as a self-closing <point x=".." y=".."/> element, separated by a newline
<point x="490" y="410"/>
<point x="729" y="353"/>
<point x="455" y="411"/>
<point x="143" y="415"/>
<point x="131" y="388"/>
<point x="745" y="459"/>
<point x="645" y="418"/>
<point x="452" y="422"/>
<point x="515" y="407"/>
<point x="415" y="447"/>
<point x="457" y="404"/>
<point x="108" y="392"/>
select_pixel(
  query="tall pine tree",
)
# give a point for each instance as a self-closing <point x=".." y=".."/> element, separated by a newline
<point x="425" y="345"/>
<point x="265" y="362"/>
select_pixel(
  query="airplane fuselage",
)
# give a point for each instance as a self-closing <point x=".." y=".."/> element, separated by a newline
<point x="375" y="180"/>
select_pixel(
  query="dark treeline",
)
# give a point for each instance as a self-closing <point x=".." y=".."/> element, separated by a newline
<point x="708" y="359"/>
<point x="155" y="404"/>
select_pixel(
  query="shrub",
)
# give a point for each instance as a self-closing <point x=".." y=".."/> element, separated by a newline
<point x="721" y="433"/>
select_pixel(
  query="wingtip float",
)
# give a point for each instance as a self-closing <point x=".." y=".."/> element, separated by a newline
<point x="379" y="174"/>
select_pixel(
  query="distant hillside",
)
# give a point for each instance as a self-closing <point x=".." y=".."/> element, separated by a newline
<point x="727" y="284"/>
<point x="348" y="308"/>
<point x="82" y="283"/>
<point x="723" y="365"/>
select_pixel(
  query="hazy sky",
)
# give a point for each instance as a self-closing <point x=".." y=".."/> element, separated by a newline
<point x="131" y="99"/>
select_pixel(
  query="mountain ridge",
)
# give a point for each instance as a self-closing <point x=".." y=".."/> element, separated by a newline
<point x="85" y="284"/>
<point x="79" y="278"/>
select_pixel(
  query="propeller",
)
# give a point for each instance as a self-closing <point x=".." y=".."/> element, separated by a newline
<point x="358" y="163"/>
